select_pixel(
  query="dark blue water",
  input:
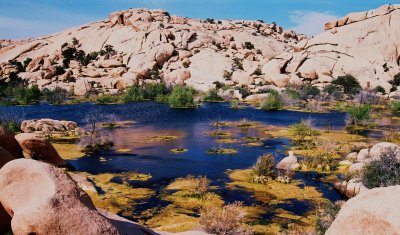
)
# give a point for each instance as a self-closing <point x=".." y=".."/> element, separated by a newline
<point x="154" y="119"/>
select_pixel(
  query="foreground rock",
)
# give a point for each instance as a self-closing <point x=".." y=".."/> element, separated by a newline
<point x="5" y="157"/>
<point x="374" y="212"/>
<point x="45" y="200"/>
<point x="48" y="126"/>
<point x="8" y="142"/>
<point x="289" y="163"/>
<point x="38" y="148"/>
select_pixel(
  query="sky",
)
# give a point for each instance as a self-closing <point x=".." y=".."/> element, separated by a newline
<point x="32" y="18"/>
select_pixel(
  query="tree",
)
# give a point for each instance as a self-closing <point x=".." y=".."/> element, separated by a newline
<point x="349" y="83"/>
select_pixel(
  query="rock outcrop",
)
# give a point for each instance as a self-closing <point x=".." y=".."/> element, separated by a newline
<point x="8" y="143"/>
<point x="149" y="45"/>
<point x="372" y="212"/>
<point x="5" y="157"/>
<point x="48" y="126"/>
<point x="365" y="45"/>
<point x="44" y="200"/>
<point x="289" y="163"/>
<point x="39" y="148"/>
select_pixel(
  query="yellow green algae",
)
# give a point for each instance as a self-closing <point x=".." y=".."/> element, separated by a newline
<point x="162" y="138"/>
<point x="179" y="150"/>
<point x="222" y="151"/>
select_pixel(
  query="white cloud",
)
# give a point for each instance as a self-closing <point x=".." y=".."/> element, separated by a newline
<point x="310" y="22"/>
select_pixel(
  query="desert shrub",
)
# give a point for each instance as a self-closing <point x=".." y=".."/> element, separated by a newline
<point x="25" y="96"/>
<point x="309" y="90"/>
<point x="395" y="107"/>
<point x="322" y="161"/>
<point x="249" y="45"/>
<point x="181" y="97"/>
<point x="152" y="90"/>
<point x="18" y="65"/>
<point x="273" y="101"/>
<point x="395" y="82"/>
<point x="94" y="141"/>
<point x="334" y="91"/>
<point x="107" y="51"/>
<point x="304" y="134"/>
<point x="244" y="90"/>
<point x="349" y="83"/>
<point x="10" y="122"/>
<point x="292" y="93"/>
<point x="326" y="215"/>
<point x="226" y="220"/>
<point x="212" y="96"/>
<point x="392" y="135"/>
<point x="383" y="172"/>
<point x="227" y="75"/>
<point x="237" y="64"/>
<point x="265" y="166"/>
<point x="359" y="115"/>
<point x="218" y="84"/>
<point x="133" y="93"/>
<point x="107" y="99"/>
<point x="197" y="186"/>
<point x="380" y="89"/>
<point x="26" y="62"/>
<point x="56" y="96"/>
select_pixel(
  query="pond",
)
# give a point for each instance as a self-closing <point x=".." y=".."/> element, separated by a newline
<point x="144" y="153"/>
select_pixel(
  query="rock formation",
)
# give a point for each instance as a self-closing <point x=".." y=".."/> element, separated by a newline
<point x="373" y="212"/>
<point x="38" y="148"/>
<point x="148" y="45"/>
<point x="289" y="163"/>
<point x="365" y="45"/>
<point x="48" y="126"/>
<point x="8" y="143"/>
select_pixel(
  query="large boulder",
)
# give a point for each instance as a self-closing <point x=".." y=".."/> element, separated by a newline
<point x="377" y="150"/>
<point x="289" y="163"/>
<point x="45" y="200"/>
<point x="39" y="148"/>
<point x="5" y="157"/>
<point x="5" y="220"/>
<point x="8" y="142"/>
<point x="48" y="126"/>
<point x="375" y="211"/>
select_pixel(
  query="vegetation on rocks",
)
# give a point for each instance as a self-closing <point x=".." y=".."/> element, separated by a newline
<point x="181" y="97"/>
<point x="264" y="169"/>
<point x="304" y="134"/>
<point x="359" y="115"/>
<point x="349" y="83"/>
<point x="273" y="101"/>
<point x="212" y="96"/>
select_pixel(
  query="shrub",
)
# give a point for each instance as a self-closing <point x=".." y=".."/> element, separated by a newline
<point x="107" y="99"/>
<point x="133" y="93"/>
<point x="309" y="90"/>
<point x="349" y="83"/>
<point x="265" y="166"/>
<point x="249" y="45"/>
<point x="326" y="215"/>
<point x="292" y="93"/>
<point x="153" y="90"/>
<point x="395" y="82"/>
<point x="395" y="107"/>
<point x="382" y="172"/>
<point x="197" y="187"/>
<point x="56" y="96"/>
<point x="334" y="91"/>
<point x="218" y="84"/>
<point x="27" y="95"/>
<point x="10" y="122"/>
<point x="226" y="220"/>
<point x="181" y="97"/>
<point x="273" y="101"/>
<point x="212" y="96"/>
<point x="359" y="115"/>
<point x="380" y="89"/>
<point x="304" y="134"/>
<point x="244" y="90"/>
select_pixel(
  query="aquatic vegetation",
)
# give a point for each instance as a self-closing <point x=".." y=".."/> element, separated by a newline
<point x="246" y="124"/>
<point x="178" y="150"/>
<point x="252" y="138"/>
<point x="68" y="151"/>
<point x="392" y="135"/>
<point x="107" y="99"/>
<point x="182" y="97"/>
<point x="193" y="186"/>
<point x="225" y="220"/>
<point x="219" y="133"/>
<point x="56" y="96"/>
<point x="395" y="107"/>
<point x="382" y="172"/>
<point x="163" y="138"/>
<point x="221" y="123"/>
<point x="222" y="151"/>
<point x="24" y="96"/>
<point x="304" y="134"/>
<point x="227" y="141"/>
<point x="234" y="104"/>
<point x="359" y="116"/>
<point x="10" y="122"/>
<point x="318" y="161"/>
<point x="133" y="93"/>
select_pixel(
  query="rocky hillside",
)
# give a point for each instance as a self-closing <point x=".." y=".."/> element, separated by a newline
<point x="139" y="45"/>
<point x="364" y="44"/>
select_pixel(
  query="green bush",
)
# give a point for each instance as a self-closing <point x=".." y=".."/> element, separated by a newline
<point x="380" y="89"/>
<point x="395" y="107"/>
<point x="304" y="134"/>
<point x="292" y="93"/>
<point x="359" y="115"/>
<point x="349" y="83"/>
<point x="212" y="96"/>
<point x="395" y="82"/>
<point x="334" y="91"/>
<point x="133" y="94"/>
<point x="107" y="99"/>
<point x="309" y="90"/>
<point x="244" y="90"/>
<point x="25" y="96"/>
<point x="56" y="96"/>
<point x="153" y="90"/>
<point x="181" y="97"/>
<point x="382" y="172"/>
<point x="273" y="101"/>
<point x="249" y="45"/>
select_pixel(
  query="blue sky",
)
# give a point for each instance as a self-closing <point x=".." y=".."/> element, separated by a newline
<point x="30" y="18"/>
